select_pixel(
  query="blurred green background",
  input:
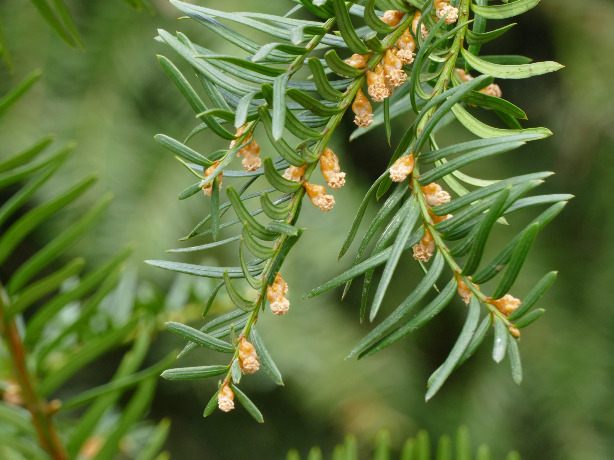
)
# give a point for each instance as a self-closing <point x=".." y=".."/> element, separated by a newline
<point x="112" y="98"/>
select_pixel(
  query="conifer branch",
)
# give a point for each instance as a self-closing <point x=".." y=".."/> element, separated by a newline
<point x="41" y="410"/>
<point x="418" y="210"/>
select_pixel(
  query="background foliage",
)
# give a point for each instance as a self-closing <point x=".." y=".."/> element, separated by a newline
<point x="112" y="98"/>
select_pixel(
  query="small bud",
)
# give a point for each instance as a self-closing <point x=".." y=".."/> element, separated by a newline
<point x="393" y="68"/>
<point x="424" y="250"/>
<point x="435" y="195"/>
<point x="362" y="109"/>
<point x="251" y="163"/>
<point x="250" y="153"/>
<point x="225" y="399"/>
<point x="280" y="307"/>
<point x="506" y="304"/>
<point x="406" y="56"/>
<point x="251" y="157"/>
<point x="209" y="187"/>
<point x="392" y="17"/>
<point x="276" y="294"/>
<point x="463" y="290"/>
<point x="358" y="60"/>
<point x="402" y="168"/>
<point x="12" y="394"/>
<point x="280" y="285"/>
<point x="248" y="358"/>
<point x="317" y="195"/>
<point x="53" y="406"/>
<point x="91" y="447"/>
<point x="437" y="219"/>
<point x="295" y="173"/>
<point x="464" y="76"/>
<point x="376" y="84"/>
<point x="329" y="165"/>
<point x="514" y="331"/>
<point x="415" y="20"/>
<point x="442" y="8"/>
<point x="414" y="25"/>
<point x="240" y="131"/>
<point x="406" y="45"/>
<point x="492" y="90"/>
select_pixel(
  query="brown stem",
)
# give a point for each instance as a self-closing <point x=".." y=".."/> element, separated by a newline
<point x="38" y="407"/>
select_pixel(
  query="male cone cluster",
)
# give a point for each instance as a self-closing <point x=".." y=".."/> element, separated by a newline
<point x="442" y="8"/>
<point x="329" y="166"/>
<point x="389" y="73"/>
<point x="362" y="110"/>
<point x="248" y="363"/>
<point x="295" y="173"/>
<point x="402" y="168"/>
<point x="335" y="179"/>
<point x="506" y="304"/>
<point x="319" y="198"/>
<point x="276" y="293"/>
<point x="423" y="251"/>
<point x="491" y="90"/>
<point x="463" y="290"/>
<point x="434" y="195"/>
<point x="207" y="189"/>
<point x="250" y="153"/>
<point x="225" y="398"/>
<point x="376" y="84"/>
<point x="407" y="46"/>
<point x="248" y="358"/>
